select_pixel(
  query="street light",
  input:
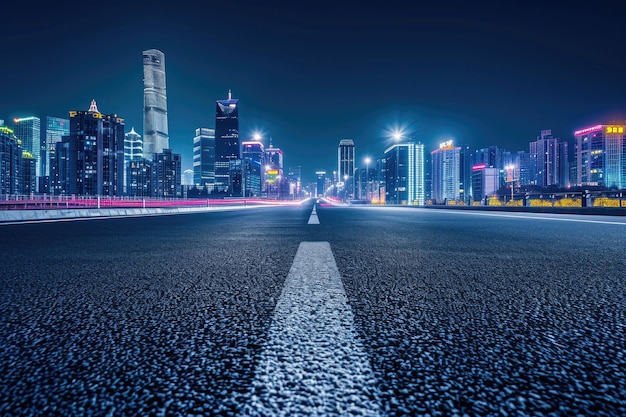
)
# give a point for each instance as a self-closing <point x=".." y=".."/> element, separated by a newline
<point x="512" y="180"/>
<point x="397" y="135"/>
<point x="367" y="178"/>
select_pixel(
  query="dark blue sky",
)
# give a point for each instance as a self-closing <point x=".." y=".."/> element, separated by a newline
<point x="310" y="75"/>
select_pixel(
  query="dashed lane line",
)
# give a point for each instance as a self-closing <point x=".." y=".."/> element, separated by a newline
<point x="313" y="219"/>
<point x="313" y="362"/>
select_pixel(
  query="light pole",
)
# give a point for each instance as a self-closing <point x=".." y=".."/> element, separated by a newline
<point x="512" y="180"/>
<point x="396" y="137"/>
<point x="367" y="178"/>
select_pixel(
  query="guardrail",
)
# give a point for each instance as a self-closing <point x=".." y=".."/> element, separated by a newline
<point x="49" y="202"/>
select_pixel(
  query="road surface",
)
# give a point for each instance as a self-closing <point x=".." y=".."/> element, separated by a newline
<point x="315" y="310"/>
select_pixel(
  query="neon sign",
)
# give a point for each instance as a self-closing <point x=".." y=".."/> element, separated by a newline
<point x="446" y="145"/>
<point x="479" y="167"/>
<point x="588" y="130"/>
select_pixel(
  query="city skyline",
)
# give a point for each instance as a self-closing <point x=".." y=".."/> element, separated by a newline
<point x="308" y="76"/>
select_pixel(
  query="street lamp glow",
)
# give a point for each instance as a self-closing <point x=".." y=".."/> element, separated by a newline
<point x="368" y="160"/>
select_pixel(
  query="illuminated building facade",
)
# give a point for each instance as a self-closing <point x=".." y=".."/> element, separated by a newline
<point x="320" y="185"/>
<point x="485" y="182"/>
<point x="601" y="156"/>
<point x="548" y="161"/>
<point x="227" y="144"/>
<point x="273" y="171"/>
<point x="294" y="174"/>
<point x="139" y="178"/>
<point x="522" y="173"/>
<point x="404" y="170"/>
<point x="155" y="127"/>
<point x="133" y="151"/>
<point x="10" y="161"/>
<point x="133" y="146"/>
<point x="27" y="173"/>
<point x="90" y="161"/>
<point x="253" y="159"/>
<point x="345" y="165"/>
<point x="204" y="158"/>
<point x="56" y="128"/>
<point x="445" y="173"/>
<point x="465" y="173"/>
<point x="166" y="174"/>
<point x="28" y="130"/>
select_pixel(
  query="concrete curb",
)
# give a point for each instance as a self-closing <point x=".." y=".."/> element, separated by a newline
<point x="26" y="216"/>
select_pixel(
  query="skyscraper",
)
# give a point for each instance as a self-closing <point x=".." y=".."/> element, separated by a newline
<point x="90" y="161"/>
<point x="404" y="169"/>
<point x="133" y="152"/>
<point x="253" y="156"/>
<point x="274" y="160"/>
<point x="10" y="160"/>
<point x="445" y="172"/>
<point x="28" y="130"/>
<point x="204" y="158"/>
<point x="544" y="160"/>
<point x="56" y="128"/>
<point x="227" y="145"/>
<point x="155" y="131"/>
<point x="345" y="165"/>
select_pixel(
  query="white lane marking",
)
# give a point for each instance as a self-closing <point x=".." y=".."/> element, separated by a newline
<point x="531" y="217"/>
<point x="313" y="219"/>
<point x="313" y="362"/>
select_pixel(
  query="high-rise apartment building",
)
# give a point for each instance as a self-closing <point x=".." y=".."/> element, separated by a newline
<point x="404" y="168"/>
<point x="227" y="144"/>
<point x="345" y="165"/>
<point x="544" y="160"/>
<point x="204" y="158"/>
<point x="601" y="156"/>
<point x="166" y="174"/>
<point x="28" y="130"/>
<point x="155" y="127"/>
<point x="445" y="173"/>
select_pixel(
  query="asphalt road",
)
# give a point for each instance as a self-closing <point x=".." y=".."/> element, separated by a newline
<point x="373" y="311"/>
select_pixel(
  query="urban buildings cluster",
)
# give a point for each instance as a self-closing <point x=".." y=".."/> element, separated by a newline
<point x="90" y="154"/>
<point x="592" y="158"/>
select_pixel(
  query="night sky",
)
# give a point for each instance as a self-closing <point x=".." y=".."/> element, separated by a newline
<point x="308" y="75"/>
